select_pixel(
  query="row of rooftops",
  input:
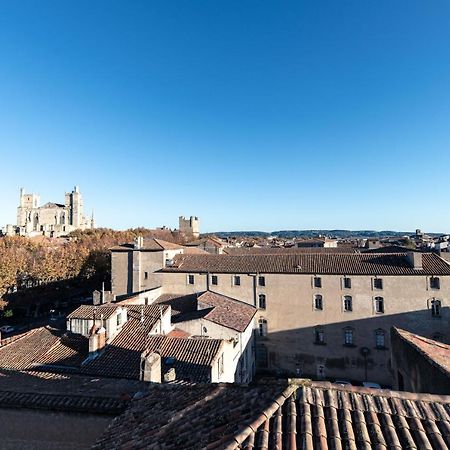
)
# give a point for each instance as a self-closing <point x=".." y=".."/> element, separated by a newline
<point x="296" y="261"/>
<point x="51" y="349"/>
<point x="314" y="263"/>
<point x="294" y="414"/>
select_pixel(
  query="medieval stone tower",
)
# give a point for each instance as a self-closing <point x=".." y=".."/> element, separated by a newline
<point x="190" y="227"/>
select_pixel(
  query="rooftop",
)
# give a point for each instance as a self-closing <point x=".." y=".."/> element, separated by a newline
<point x="150" y="244"/>
<point x="435" y="352"/>
<point x="311" y="263"/>
<point x="302" y="414"/>
<point x="44" y="347"/>
<point x="122" y="357"/>
<point x="71" y="393"/>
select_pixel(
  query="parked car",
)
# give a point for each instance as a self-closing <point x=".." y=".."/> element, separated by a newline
<point x="343" y="382"/>
<point x="371" y="385"/>
<point x="6" y="329"/>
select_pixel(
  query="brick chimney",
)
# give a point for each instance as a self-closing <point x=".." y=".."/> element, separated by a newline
<point x="97" y="341"/>
<point x="415" y="260"/>
<point x="151" y="367"/>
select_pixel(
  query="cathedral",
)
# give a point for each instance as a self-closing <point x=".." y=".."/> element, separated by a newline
<point x="51" y="219"/>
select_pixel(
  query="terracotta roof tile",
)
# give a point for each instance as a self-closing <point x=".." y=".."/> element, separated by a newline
<point x="436" y="352"/>
<point x="150" y="244"/>
<point x="311" y="263"/>
<point x="226" y="311"/>
<point x="301" y="415"/>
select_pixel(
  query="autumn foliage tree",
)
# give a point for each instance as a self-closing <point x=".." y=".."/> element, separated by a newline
<point x="26" y="263"/>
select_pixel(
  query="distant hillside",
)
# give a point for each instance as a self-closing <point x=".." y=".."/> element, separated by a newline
<point x="341" y="234"/>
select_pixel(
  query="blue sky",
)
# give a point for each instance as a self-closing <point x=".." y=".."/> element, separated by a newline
<point x="250" y="114"/>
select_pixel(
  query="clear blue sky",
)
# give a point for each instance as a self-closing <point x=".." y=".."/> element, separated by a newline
<point x="250" y="114"/>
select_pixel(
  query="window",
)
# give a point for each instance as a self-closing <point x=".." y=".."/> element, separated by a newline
<point x="319" y="336"/>
<point x="262" y="301"/>
<point x="145" y="275"/>
<point x="262" y="327"/>
<point x="380" y="339"/>
<point x="236" y="280"/>
<point x="119" y="318"/>
<point x="348" y="336"/>
<point x="317" y="282"/>
<point x="378" y="283"/>
<point x="435" y="308"/>
<point x="261" y="281"/>
<point x="191" y="279"/>
<point x="435" y="283"/>
<point x="214" y="280"/>
<point x="379" y="305"/>
<point x="318" y="302"/>
<point x="347" y="282"/>
<point x="348" y="303"/>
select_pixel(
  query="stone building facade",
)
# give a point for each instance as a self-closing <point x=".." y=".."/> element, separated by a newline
<point x="320" y="315"/>
<point x="51" y="219"/>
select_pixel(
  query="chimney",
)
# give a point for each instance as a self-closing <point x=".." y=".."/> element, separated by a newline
<point x="170" y="375"/>
<point x="151" y="367"/>
<point x="97" y="341"/>
<point x="138" y="242"/>
<point x="415" y="260"/>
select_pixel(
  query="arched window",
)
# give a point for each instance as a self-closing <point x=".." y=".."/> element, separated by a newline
<point x="379" y="305"/>
<point x="318" y="302"/>
<point x="262" y="327"/>
<point x="380" y="338"/>
<point x="262" y="301"/>
<point x="348" y="303"/>
<point x="348" y="336"/>
<point x="435" y="308"/>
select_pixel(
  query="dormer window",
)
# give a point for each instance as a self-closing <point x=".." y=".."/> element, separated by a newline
<point x="119" y="319"/>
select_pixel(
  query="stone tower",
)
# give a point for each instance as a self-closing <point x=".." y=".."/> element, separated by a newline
<point x="190" y="227"/>
<point x="74" y="201"/>
<point x="27" y="202"/>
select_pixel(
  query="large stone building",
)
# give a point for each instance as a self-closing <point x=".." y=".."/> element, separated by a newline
<point x="323" y="315"/>
<point x="51" y="219"/>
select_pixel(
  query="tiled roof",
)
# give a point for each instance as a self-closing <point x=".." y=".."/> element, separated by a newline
<point x="150" y="244"/>
<point x="71" y="393"/>
<point x="203" y="241"/>
<point x="435" y="352"/>
<point x="43" y="347"/>
<point x="226" y="311"/>
<point x="122" y="357"/>
<point x="311" y="263"/>
<point x="302" y="415"/>
<point x="217" y="308"/>
<point x="180" y="304"/>
<point x="88" y="311"/>
<point x="288" y="250"/>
